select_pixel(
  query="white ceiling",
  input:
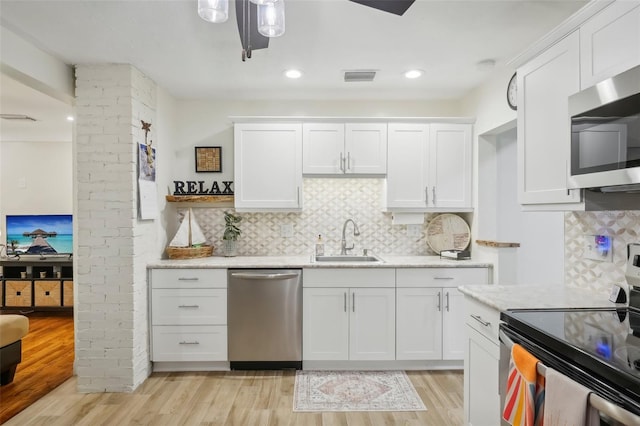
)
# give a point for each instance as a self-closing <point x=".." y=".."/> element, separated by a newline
<point x="192" y="58"/>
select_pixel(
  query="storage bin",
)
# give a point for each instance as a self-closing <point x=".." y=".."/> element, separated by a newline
<point x="67" y="293"/>
<point x="47" y="293"/>
<point x="17" y="293"/>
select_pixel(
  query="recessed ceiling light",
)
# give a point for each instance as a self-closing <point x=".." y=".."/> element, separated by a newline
<point x="292" y="73"/>
<point x="413" y="73"/>
<point x="70" y="118"/>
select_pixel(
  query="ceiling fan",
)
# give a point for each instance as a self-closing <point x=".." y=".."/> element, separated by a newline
<point x="251" y="39"/>
<point x="397" y="7"/>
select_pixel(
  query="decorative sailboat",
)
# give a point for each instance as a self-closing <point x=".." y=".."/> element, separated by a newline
<point x="189" y="242"/>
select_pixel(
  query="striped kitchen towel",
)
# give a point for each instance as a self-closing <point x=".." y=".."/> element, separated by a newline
<point x="524" y="403"/>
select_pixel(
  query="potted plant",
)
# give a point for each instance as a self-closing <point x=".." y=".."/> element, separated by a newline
<point x="231" y="233"/>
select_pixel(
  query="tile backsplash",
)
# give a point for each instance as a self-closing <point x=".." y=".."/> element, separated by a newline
<point x="328" y="202"/>
<point x="622" y="226"/>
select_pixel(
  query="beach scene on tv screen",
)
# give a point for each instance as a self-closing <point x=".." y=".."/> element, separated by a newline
<point x="39" y="234"/>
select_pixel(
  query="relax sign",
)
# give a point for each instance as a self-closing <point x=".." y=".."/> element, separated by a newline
<point x="192" y="187"/>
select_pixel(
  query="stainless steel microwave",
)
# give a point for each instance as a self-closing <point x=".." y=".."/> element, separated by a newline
<point x="605" y="134"/>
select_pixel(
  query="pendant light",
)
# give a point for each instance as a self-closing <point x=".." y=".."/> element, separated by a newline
<point x="215" y="11"/>
<point x="271" y="18"/>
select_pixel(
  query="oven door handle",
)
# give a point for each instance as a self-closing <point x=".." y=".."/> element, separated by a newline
<point x="505" y="339"/>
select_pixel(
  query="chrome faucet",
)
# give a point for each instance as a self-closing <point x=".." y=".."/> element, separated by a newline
<point x="356" y="232"/>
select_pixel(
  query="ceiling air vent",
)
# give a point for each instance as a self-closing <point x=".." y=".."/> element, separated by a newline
<point x="17" y="117"/>
<point x="351" y="76"/>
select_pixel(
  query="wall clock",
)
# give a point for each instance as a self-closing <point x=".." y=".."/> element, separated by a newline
<point x="512" y="98"/>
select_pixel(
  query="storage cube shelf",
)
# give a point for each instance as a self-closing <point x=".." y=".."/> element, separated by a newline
<point x="36" y="285"/>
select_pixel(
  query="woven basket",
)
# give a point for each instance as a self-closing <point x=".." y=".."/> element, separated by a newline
<point x="189" y="252"/>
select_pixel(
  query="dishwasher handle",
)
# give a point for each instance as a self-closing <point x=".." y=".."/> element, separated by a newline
<point x="264" y="276"/>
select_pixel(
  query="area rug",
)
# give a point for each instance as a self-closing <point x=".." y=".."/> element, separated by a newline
<point x="355" y="391"/>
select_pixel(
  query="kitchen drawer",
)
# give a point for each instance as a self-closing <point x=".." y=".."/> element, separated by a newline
<point x="482" y="318"/>
<point x="189" y="343"/>
<point x="349" y="277"/>
<point x="188" y="278"/>
<point x="173" y="306"/>
<point x="441" y="277"/>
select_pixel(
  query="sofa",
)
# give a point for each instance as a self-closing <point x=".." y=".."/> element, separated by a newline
<point x="12" y="329"/>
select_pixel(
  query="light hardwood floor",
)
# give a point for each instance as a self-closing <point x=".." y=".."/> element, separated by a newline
<point x="232" y="398"/>
<point x="47" y="362"/>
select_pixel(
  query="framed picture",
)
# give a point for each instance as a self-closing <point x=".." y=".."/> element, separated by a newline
<point x="208" y="159"/>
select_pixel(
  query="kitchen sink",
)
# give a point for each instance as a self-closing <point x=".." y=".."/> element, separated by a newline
<point x="347" y="258"/>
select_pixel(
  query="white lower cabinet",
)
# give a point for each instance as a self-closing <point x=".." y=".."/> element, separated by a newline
<point x="372" y="324"/>
<point x="349" y="324"/>
<point x="430" y="324"/>
<point x="325" y="324"/>
<point x="481" y="365"/>
<point x="430" y="318"/>
<point x="481" y="380"/>
<point x="188" y="315"/>
<point x="190" y="343"/>
<point x="453" y="336"/>
<point x="349" y="314"/>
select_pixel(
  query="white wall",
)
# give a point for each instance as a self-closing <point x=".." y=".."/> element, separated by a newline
<point x="499" y="216"/>
<point x="35" y="178"/>
<point x="488" y="103"/>
<point x="166" y="130"/>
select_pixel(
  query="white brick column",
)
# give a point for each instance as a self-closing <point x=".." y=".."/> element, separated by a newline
<point x="112" y="353"/>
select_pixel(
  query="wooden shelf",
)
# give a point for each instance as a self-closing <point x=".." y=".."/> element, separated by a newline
<point x="199" y="198"/>
<point x="496" y="244"/>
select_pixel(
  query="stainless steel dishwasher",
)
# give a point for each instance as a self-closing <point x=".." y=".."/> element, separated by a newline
<point x="264" y="318"/>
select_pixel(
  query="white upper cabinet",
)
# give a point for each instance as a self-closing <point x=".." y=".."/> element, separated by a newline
<point x="366" y="148"/>
<point x="408" y="166"/>
<point x="339" y="148"/>
<point x="322" y="148"/>
<point x="610" y="42"/>
<point x="429" y="167"/>
<point x="544" y="131"/>
<point x="268" y="166"/>
<point x="450" y="165"/>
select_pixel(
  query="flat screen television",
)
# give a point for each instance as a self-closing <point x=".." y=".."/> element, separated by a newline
<point x="39" y="235"/>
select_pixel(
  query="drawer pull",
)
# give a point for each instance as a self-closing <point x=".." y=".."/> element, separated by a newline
<point x="188" y="279"/>
<point x="188" y="306"/>
<point x="480" y="320"/>
<point x="443" y="278"/>
<point x="189" y="343"/>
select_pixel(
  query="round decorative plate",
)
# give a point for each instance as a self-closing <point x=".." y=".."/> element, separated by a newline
<point x="448" y="232"/>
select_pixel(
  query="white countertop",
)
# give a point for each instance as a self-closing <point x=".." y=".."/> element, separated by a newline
<point x="306" y="262"/>
<point x="503" y="297"/>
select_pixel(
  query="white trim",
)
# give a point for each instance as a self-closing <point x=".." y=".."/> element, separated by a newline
<point x="558" y="33"/>
<point x="312" y="119"/>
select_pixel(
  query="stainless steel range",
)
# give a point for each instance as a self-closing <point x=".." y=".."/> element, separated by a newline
<point x="599" y="348"/>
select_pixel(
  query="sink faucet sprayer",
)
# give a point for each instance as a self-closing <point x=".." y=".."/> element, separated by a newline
<point x="356" y="232"/>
